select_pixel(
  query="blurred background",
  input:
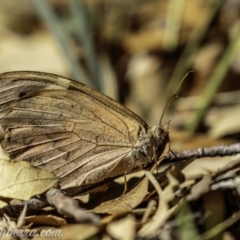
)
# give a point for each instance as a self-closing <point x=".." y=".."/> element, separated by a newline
<point x="137" y="52"/>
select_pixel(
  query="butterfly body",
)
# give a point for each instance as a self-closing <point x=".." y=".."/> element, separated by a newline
<point x="72" y="130"/>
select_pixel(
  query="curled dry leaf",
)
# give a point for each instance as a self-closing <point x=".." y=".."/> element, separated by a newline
<point x="226" y="177"/>
<point x="21" y="180"/>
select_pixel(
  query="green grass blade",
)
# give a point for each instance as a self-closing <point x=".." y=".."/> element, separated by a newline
<point x="51" y="21"/>
<point x="83" y="32"/>
<point x="193" y="44"/>
<point x="216" y="79"/>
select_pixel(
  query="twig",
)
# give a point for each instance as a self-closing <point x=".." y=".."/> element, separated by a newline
<point x="205" y="152"/>
<point x="69" y="206"/>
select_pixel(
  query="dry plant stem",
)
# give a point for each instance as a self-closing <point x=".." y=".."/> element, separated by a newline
<point x="216" y="79"/>
<point x="160" y="216"/>
<point x="205" y="152"/>
<point x="173" y="24"/>
<point x="67" y="205"/>
<point x="151" y="206"/>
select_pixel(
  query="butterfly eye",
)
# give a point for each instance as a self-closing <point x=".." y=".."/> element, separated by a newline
<point x="145" y="164"/>
<point x="140" y="133"/>
<point x="22" y="94"/>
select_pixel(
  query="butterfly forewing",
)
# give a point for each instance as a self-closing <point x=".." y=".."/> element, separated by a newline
<point x="66" y="127"/>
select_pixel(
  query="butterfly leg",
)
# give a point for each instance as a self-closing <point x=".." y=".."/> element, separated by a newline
<point x="125" y="184"/>
<point x="155" y="159"/>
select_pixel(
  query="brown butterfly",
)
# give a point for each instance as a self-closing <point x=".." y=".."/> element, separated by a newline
<point x="79" y="134"/>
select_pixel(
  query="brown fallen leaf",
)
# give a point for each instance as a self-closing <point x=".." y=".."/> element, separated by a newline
<point x="20" y="180"/>
<point x="127" y="202"/>
<point x="46" y="220"/>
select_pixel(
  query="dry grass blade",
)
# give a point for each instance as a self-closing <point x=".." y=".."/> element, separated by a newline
<point x="161" y="214"/>
<point x="220" y="227"/>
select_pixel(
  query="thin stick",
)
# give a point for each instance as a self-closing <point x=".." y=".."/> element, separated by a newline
<point x="205" y="152"/>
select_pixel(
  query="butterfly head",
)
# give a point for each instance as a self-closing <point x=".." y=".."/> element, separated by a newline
<point x="149" y="145"/>
<point x="159" y="133"/>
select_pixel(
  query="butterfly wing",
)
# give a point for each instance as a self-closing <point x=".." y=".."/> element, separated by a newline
<point x="66" y="127"/>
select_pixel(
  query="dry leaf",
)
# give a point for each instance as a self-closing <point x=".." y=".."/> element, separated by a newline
<point x="21" y="180"/>
<point x="123" y="229"/>
<point x="127" y="202"/>
<point x="3" y="204"/>
<point x="46" y="220"/>
<point x="223" y="121"/>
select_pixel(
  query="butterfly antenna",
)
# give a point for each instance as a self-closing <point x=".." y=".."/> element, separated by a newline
<point x="172" y="97"/>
